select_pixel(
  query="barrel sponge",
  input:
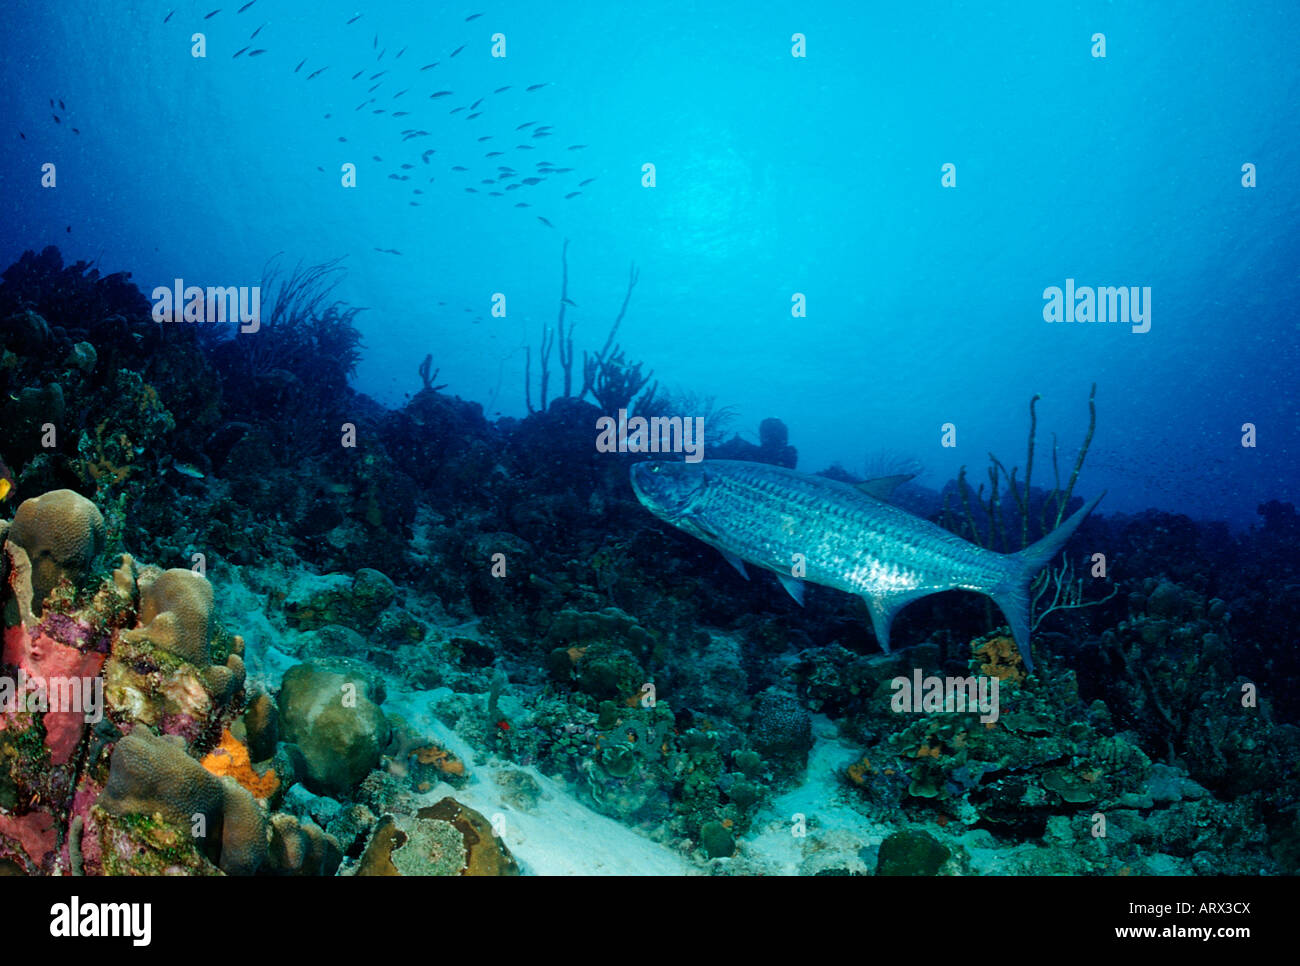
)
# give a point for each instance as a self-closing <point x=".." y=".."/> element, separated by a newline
<point x="62" y="532"/>
<point x="149" y="774"/>
<point x="176" y="614"/>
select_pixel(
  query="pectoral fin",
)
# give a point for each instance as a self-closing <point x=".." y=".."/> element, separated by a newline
<point x="793" y="586"/>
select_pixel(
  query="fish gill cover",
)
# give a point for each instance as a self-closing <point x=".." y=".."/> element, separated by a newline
<point x="339" y="346"/>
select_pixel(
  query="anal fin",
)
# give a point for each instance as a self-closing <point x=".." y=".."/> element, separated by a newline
<point x="885" y="608"/>
<point x="735" y="561"/>
<point x="793" y="586"/>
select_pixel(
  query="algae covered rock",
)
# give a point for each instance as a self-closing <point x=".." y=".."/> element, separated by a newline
<point x="330" y="709"/>
<point x="443" y="839"/>
<point x="354" y="602"/>
<point x="911" y="852"/>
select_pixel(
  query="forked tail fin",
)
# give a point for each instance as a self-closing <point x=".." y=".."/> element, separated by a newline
<point x="1012" y="595"/>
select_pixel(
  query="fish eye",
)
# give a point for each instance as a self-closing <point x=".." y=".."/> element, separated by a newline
<point x="656" y="467"/>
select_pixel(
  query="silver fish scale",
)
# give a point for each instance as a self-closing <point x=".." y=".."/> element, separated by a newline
<point x="850" y="541"/>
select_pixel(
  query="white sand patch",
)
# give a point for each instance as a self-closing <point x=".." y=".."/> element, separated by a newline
<point x="835" y="835"/>
<point x="557" y="836"/>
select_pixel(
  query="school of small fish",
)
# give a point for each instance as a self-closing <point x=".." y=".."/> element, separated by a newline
<point x="423" y="96"/>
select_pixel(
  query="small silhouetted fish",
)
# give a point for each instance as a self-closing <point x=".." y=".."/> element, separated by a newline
<point x="473" y="16"/>
<point x="213" y="14"/>
<point x="562" y="170"/>
<point x="457" y="50"/>
<point x="381" y="54"/>
<point x="524" y="125"/>
<point x="505" y="170"/>
<point x="22" y="135"/>
<point x="426" y="154"/>
<point x="538" y="87"/>
<point x="456" y="110"/>
<point x="254" y="53"/>
<point x="417" y="191"/>
<point x="61" y="104"/>
<point x="512" y="187"/>
<point x="379" y="75"/>
<point x="400" y="113"/>
<point x="371" y="90"/>
<point x="169" y="15"/>
<point x="569" y="301"/>
<point x="360" y="106"/>
<point x="541" y="134"/>
<point x="414" y="204"/>
<point x="254" y="34"/>
<point x="572" y="194"/>
<point x="531" y="181"/>
<point x="56" y="119"/>
<point x="343" y="139"/>
<point x="318" y="72"/>
<point x="375" y="45"/>
<point x="472" y="191"/>
<point x="548" y="225"/>
<point x="354" y="20"/>
<point x="246" y="6"/>
<point x="487" y="181"/>
<point x="470" y="117"/>
<point x="238" y="52"/>
<point x="522" y="204"/>
<point x="319" y="168"/>
<point x="493" y="154"/>
<point x="485" y="137"/>
<point x="583" y="184"/>
<point x="375" y="157"/>
<point x="472" y="107"/>
<point x="430" y="66"/>
<point x="545" y="127"/>
<point x="407" y="167"/>
<point x="524" y="147"/>
<point x="394" y="177"/>
<point x="357" y="74"/>
<point x="400" y="93"/>
<point x="388" y="251"/>
<point x="378" y="110"/>
<point x="440" y="94"/>
<point x="576" y="147"/>
<point x="328" y="116"/>
<point x="400" y="52"/>
<point x="496" y="194"/>
<point x="459" y="168"/>
<point x="501" y="90"/>
<point x="69" y="228"/>
<point x="75" y="131"/>
<point x="300" y="63"/>
<point x="51" y="102"/>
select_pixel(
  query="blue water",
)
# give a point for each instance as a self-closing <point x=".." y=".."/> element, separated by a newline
<point x="775" y="175"/>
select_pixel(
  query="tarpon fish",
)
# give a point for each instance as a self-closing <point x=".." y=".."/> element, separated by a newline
<point x="809" y="528"/>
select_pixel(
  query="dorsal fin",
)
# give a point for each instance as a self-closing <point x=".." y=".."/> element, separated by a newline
<point x="883" y="487"/>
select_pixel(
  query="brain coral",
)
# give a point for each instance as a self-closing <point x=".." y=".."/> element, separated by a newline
<point x="176" y="613"/>
<point x="148" y="774"/>
<point x="63" y="533"/>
